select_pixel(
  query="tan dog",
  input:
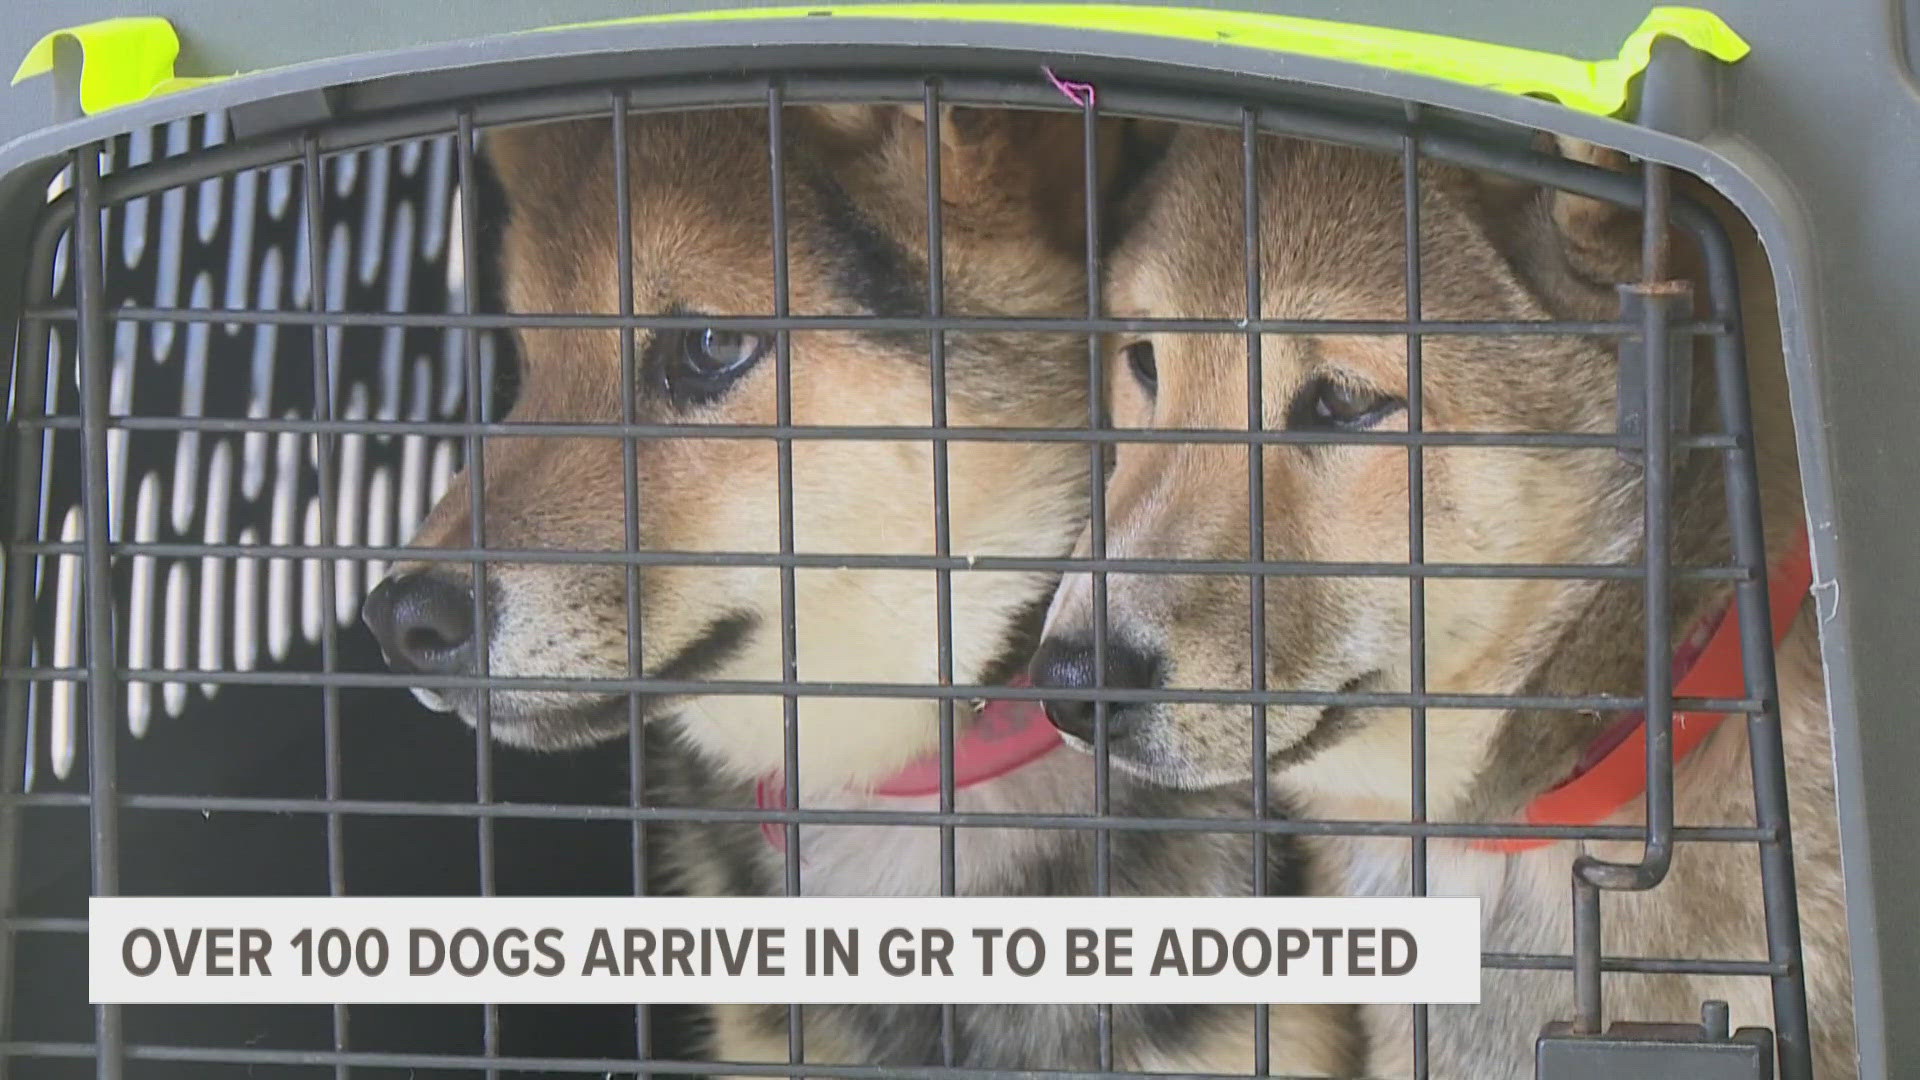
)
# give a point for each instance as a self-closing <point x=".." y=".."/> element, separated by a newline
<point x="1332" y="248"/>
<point x="855" y="198"/>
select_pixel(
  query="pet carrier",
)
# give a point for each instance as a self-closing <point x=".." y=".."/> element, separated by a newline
<point x="257" y="329"/>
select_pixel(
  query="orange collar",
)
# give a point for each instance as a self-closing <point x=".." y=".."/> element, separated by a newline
<point x="1614" y="771"/>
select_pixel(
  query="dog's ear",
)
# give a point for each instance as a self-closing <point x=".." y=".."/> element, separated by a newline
<point x="1000" y="169"/>
<point x="1570" y="248"/>
<point x="857" y="123"/>
<point x="1143" y="146"/>
<point x="976" y="144"/>
<point x="1600" y="240"/>
<point x="984" y="150"/>
<point x="542" y="164"/>
<point x="876" y="125"/>
<point x="965" y="132"/>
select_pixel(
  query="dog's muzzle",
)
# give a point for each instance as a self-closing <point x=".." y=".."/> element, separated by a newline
<point x="1068" y="663"/>
<point x="423" y="621"/>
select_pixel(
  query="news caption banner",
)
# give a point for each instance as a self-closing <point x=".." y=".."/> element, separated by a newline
<point x="776" y="950"/>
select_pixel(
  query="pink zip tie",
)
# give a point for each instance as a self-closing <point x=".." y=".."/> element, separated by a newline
<point x="1081" y="94"/>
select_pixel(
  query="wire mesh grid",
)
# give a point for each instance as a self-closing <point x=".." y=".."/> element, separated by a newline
<point x="324" y="462"/>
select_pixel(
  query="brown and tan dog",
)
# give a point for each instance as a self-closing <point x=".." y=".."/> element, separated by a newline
<point x="1332" y="247"/>
<point x="855" y="198"/>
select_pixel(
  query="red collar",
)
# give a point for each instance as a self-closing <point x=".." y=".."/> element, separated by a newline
<point x="1613" y="772"/>
<point x="1004" y="736"/>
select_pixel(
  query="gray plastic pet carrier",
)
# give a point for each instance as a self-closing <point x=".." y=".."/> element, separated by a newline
<point x="251" y="295"/>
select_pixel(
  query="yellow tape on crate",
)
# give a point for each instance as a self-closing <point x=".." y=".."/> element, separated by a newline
<point x="122" y="61"/>
<point x="1595" y="86"/>
<point x="128" y="60"/>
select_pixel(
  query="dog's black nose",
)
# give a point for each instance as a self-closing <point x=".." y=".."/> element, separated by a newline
<point x="423" y="621"/>
<point x="1067" y="664"/>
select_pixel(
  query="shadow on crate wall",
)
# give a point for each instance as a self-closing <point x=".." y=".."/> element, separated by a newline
<point x="264" y="741"/>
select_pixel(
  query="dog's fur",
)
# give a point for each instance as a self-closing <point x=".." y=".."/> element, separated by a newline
<point x="855" y="193"/>
<point x="1332" y="246"/>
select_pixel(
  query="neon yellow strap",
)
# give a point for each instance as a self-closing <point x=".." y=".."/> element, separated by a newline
<point x="131" y="59"/>
<point x="1595" y="86"/>
<point x="123" y="61"/>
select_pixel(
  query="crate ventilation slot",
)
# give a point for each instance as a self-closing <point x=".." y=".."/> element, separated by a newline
<point x="391" y="243"/>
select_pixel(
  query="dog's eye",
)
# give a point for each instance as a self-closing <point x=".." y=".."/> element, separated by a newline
<point x="1140" y="361"/>
<point x="713" y="354"/>
<point x="698" y="365"/>
<point x="1339" y="405"/>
